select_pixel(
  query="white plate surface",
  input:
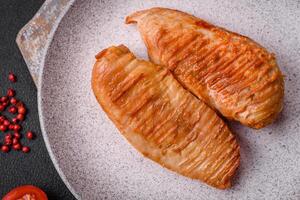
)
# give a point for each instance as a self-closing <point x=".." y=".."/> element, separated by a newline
<point x="96" y="162"/>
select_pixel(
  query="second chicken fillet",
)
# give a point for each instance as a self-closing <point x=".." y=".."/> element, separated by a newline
<point x="230" y="72"/>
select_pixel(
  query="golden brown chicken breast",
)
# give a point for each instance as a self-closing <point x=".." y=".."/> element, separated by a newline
<point x="228" y="71"/>
<point x="162" y="120"/>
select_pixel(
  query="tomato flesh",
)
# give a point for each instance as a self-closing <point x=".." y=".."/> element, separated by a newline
<point x="28" y="197"/>
<point x="26" y="192"/>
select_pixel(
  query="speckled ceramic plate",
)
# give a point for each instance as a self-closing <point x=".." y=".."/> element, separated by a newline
<point x="96" y="162"/>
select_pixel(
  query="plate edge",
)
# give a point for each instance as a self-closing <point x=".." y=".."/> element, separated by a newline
<point x="40" y="107"/>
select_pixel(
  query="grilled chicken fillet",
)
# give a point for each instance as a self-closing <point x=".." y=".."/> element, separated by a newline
<point x="162" y="120"/>
<point x="228" y="71"/>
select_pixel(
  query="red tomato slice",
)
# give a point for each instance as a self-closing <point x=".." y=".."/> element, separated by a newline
<point x="26" y="192"/>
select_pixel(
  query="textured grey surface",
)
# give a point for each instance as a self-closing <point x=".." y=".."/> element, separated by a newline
<point x="95" y="159"/>
<point x="17" y="168"/>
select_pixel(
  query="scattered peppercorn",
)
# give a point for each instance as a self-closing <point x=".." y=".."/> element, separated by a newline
<point x="4" y="99"/>
<point x="12" y="109"/>
<point x="25" y="149"/>
<point x="15" y="141"/>
<point x="20" y="117"/>
<point x="8" y="141"/>
<point x="15" y="120"/>
<point x="12" y="77"/>
<point x="16" y="107"/>
<point x="5" y="148"/>
<point x="13" y="101"/>
<point x="17" y="127"/>
<point x="4" y="104"/>
<point x="17" y="135"/>
<point x="11" y="127"/>
<point x="6" y="122"/>
<point x="8" y="137"/>
<point x="17" y="146"/>
<point x="11" y="92"/>
<point x="3" y="128"/>
<point x="2" y="118"/>
<point x="21" y="110"/>
<point x="30" y="135"/>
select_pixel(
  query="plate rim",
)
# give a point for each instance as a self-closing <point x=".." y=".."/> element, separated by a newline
<point x="40" y="106"/>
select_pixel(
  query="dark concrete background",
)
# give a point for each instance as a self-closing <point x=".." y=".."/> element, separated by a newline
<point x="17" y="168"/>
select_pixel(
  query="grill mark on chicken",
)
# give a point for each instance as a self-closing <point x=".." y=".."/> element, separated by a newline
<point x="203" y="67"/>
<point x="162" y="120"/>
